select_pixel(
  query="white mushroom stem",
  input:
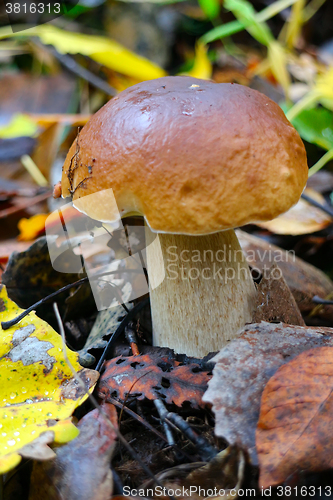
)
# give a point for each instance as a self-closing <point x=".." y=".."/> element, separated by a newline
<point x="207" y="293"/>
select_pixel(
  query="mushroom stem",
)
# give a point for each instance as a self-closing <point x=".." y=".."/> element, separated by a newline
<point x="207" y="293"/>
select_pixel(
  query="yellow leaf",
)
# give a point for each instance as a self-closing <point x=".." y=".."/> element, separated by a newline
<point x="19" y="126"/>
<point x="37" y="391"/>
<point x="324" y="84"/>
<point x="202" y="67"/>
<point x="105" y="51"/>
<point x="294" y="23"/>
<point x="302" y="218"/>
<point x="32" y="228"/>
<point x="278" y="62"/>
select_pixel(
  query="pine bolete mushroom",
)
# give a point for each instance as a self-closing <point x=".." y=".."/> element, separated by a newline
<point x="196" y="159"/>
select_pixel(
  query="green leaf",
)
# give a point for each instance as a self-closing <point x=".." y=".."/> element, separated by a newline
<point x="211" y="8"/>
<point x="246" y="14"/>
<point x="314" y="125"/>
<point x="235" y="26"/>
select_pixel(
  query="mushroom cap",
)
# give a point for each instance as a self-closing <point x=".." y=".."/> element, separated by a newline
<point x="192" y="156"/>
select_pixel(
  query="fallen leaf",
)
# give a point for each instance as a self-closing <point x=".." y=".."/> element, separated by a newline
<point x="304" y="280"/>
<point x="47" y="147"/>
<point x="81" y="469"/>
<point x="7" y="248"/>
<point x="303" y="218"/>
<point x="243" y="368"/>
<point x="20" y="125"/>
<point x="156" y="375"/>
<point x="102" y="49"/>
<point x="202" y="67"/>
<point x="30" y="276"/>
<point x="275" y="303"/>
<point x="224" y="474"/>
<point x="294" y="431"/>
<point x="34" y="392"/>
<point x="31" y="228"/>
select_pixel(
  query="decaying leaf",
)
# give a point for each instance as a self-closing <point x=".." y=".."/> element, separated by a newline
<point x="303" y="218"/>
<point x="157" y="374"/>
<point x="243" y="368"/>
<point x="295" y="426"/>
<point x="219" y="478"/>
<point x="275" y="301"/>
<point x="81" y="469"/>
<point x="225" y="472"/>
<point x="304" y="280"/>
<point x="37" y="391"/>
<point x="30" y="276"/>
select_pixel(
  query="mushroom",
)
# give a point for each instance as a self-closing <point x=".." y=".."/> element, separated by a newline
<point x="196" y="159"/>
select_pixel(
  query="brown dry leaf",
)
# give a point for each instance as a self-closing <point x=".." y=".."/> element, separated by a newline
<point x="155" y="375"/>
<point x="303" y="218"/>
<point x="304" y="280"/>
<point x="219" y="478"/>
<point x="7" y="248"/>
<point x="275" y="301"/>
<point x="295" y="426"/>
<point x="81" y="469"/>
<point x="243" y="368"/>
<point x="46" y="151"/>
<point x="223" y="473"/>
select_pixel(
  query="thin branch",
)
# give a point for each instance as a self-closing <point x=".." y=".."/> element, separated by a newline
<point x="325" y="208"/>
<point x="120" y="330"/>
<point x="74" y="67"/>
<point x="93" y="401"/>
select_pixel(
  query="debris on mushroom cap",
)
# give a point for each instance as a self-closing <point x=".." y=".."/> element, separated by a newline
<point x="179" y="145"/>
<point x="57" y="190"/>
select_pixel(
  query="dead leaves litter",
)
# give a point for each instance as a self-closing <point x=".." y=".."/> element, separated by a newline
<point x="155" y="375"/>
<point x="295" y="428"/>
<point x="243" y="368"/>
<point x="37" y="391"/>
<point x="81" y="469"/>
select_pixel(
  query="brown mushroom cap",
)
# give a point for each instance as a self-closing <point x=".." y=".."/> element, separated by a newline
<point x="192" y="156"/>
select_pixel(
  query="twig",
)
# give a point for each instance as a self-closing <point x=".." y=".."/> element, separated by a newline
<point x="22" y="206"/>
<point x="325" y="208"/>
<point x="8" y="324"/>
<point x="147" y="425"/>
<point x="135" y="416"/>
<point x="74" y="67"/>
<point x="93" y="401"/>
<point x="120" y="330"/>
<point x="161" y="409"/>
<point x="131" y="338"/>
<point x="207" y="452"/>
